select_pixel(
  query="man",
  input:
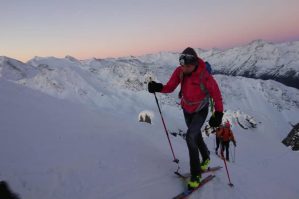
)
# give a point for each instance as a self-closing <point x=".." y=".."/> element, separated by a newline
<point x="197" y="86"/>
<point x="226" y="135"/>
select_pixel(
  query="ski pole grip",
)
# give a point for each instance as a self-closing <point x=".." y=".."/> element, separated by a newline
<point x="150" y="78"/>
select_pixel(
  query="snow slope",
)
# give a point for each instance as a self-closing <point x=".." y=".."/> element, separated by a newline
<point x="69" y="129"/>
<point x="15" y="70"/>
<point x="54" y="148"/>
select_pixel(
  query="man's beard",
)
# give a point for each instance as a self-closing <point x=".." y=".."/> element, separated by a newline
<point x="187" y="73"/>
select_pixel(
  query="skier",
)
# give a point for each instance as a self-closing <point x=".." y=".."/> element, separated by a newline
<point x="197" y="86"/>
<point x="226" y="135"/>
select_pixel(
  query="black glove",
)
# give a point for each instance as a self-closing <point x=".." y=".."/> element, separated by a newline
<point x="154" y="87"/>
<point x="235" y="143"/>
<point x="216" y="119"/>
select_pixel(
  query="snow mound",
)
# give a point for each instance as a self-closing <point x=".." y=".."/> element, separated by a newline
<point x="146" y="116"/>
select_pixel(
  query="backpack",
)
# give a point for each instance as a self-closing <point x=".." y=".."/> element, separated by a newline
<point x="208" y="67"/>
<point x="226" y="134"/>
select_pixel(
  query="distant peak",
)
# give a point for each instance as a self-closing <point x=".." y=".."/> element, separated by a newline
<point x="68" y="57"/>
<point x="5" y="59"/>
<point x="258" y="42"/>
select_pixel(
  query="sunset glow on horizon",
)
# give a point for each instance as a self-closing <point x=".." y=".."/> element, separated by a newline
<point x="111" y="28"/>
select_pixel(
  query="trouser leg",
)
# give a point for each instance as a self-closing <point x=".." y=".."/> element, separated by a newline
<point x="227" y="150"/>
<point x="194" y="139"/>
<point x="217" y="144"/>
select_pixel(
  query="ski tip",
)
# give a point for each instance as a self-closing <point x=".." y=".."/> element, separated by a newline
<point x="180" y="175"/>
<point x="177" y="173"/>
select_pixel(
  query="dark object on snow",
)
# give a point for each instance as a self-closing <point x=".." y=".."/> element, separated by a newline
<point x="180" y="133"/>
<point x="241" y="125"/>
<point x="146" y="119"/>
<point x="292" y="139"/>
<point x="5" y="192"/>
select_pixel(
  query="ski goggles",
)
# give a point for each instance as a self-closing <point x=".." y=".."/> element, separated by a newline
<point x="186" y="59"/>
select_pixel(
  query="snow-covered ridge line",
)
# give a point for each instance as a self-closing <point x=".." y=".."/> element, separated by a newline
<point x="99" y="81"/>
<point x="258" y="59"/>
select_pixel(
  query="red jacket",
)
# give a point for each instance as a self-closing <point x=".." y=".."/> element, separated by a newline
<point x="226" y="134"/>
<point x="191" y="90"/>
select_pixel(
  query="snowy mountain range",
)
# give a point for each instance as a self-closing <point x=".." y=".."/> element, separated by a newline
<point x="70" y="128"/>
<point x="260" y="60"/>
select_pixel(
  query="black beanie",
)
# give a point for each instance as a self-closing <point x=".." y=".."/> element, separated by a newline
<point x="190" y="51"/>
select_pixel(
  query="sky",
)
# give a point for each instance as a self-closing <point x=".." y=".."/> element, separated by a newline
<point x="114" y="28"/>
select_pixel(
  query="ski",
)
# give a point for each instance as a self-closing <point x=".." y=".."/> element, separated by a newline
<point x="185" y="194"/>
<point x="187" y="175"/>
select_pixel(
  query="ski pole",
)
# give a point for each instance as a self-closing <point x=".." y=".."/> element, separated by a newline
<point x="215" y="143"/>
<point x="166" y="131"/>
<point x="213" y="129"/>
<point x="230" y="152"/>
<point x="234" y="154"/>
<point x="222" y="154"/>
<point x="167" y="135"/>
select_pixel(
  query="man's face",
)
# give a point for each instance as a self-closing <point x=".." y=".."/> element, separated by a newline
<point x="188" y="68"/>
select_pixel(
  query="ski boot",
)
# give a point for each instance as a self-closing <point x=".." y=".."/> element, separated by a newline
<point x="205" y="164"/>
<point x="194" y="182"/>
